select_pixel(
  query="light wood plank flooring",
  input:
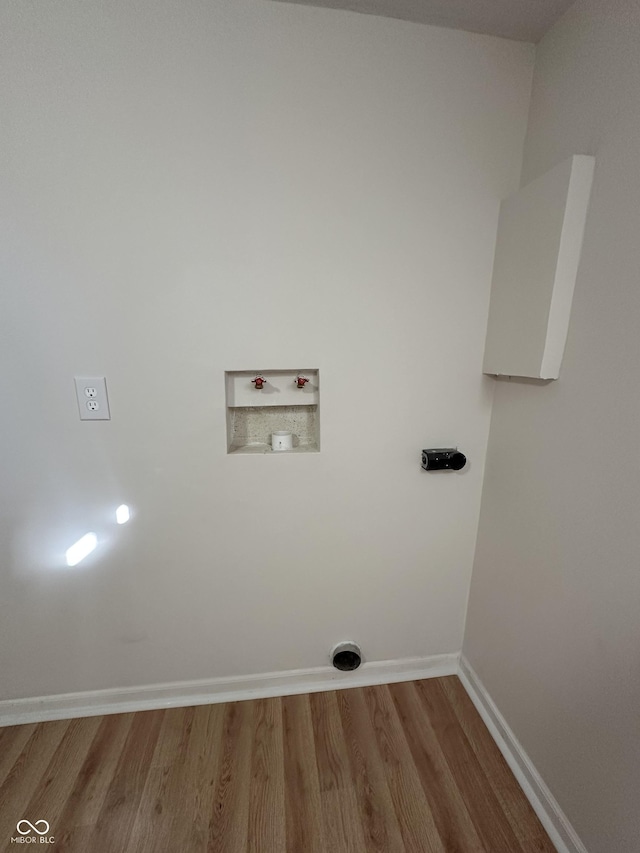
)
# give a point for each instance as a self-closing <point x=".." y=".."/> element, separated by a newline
<point x="397" y="769"/>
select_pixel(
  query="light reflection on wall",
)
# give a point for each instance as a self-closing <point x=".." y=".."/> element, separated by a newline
<point x="81" y="549"/>
<point x="122" y="514"/>
<point x="88" y="543"/>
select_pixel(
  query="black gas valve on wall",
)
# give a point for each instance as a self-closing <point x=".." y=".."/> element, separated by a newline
<point x="443" y="459"/>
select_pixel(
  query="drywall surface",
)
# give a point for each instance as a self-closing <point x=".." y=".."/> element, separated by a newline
<point x="553" y="628"/>
<point x="194" y="187"/>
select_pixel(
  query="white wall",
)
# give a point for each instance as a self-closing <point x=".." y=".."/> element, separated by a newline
<point x="189" y="187"/>
<point x="553" y="626"/>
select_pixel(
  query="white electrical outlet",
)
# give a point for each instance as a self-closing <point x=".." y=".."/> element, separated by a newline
<point x="93" y="402"/>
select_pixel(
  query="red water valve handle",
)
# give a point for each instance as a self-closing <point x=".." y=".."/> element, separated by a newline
<point x="259" y="381"/>
<point x="301" y="381"/>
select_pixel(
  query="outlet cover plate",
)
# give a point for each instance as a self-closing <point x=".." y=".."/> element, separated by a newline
<point x="93" y="402"/>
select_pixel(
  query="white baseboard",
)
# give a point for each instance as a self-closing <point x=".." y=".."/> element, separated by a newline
<point x="555" y="822"/>
<point x="186" y="693"/>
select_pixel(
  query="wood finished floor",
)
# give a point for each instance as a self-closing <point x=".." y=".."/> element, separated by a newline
<point x="396" y="769"/>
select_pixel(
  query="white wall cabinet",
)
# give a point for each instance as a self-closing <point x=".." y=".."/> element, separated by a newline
<point x="538" y="248"/>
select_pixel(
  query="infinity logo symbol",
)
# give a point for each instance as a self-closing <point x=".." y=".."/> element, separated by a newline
<point x="32" y="827"/>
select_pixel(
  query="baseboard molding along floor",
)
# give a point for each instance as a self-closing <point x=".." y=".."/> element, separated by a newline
<point x="554" y="820"/>
<point x="207" y="691"/>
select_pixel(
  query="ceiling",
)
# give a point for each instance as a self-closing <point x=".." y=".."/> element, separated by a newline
<point x="523" y="20"/>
